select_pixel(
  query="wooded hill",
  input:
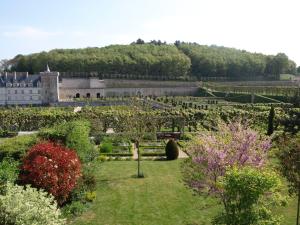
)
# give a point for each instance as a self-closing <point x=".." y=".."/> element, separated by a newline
<point x="159" y="61"/>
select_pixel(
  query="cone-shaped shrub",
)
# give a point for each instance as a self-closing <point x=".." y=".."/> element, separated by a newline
<point x="172" y="150"/>
<point x="53" y="168"/>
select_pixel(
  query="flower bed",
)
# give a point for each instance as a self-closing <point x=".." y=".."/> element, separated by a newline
<point x="152" y="149"/>
<point x="122" y="149"/>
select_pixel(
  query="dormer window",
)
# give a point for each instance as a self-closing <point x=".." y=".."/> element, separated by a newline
<point x="39" y="84"/>
<point x="15" y="84"/>
<point x="8" y="84"/>
<point x="30" y="84"/>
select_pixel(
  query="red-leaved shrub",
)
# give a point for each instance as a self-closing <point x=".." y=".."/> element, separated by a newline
<point x="53" y="168"/>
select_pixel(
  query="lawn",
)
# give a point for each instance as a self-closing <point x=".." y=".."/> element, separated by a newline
<point x="158" y="199"/>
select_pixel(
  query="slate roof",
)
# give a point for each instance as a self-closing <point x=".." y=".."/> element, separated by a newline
<point x="20" y="78"/>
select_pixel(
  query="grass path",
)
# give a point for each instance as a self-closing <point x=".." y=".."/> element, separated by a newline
<point x="158" y="199"/>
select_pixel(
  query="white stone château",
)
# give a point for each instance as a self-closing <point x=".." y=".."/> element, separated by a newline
<point x="45" y="88"/>
<point x="23" y="89"/>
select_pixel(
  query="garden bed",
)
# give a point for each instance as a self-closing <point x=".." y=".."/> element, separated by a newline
<point x="152" y="149"/>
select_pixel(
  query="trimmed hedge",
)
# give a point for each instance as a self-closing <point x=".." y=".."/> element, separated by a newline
<point x="78" y="139"/>
<point x="153" y="154"/>
<point x="16" y="147"/>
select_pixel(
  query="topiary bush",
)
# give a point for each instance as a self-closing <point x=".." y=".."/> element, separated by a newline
<point x="172" y="150"/>
<point x="52" y="167"/>
<point x="106" y="147"/>
<point x="28" y="206"/>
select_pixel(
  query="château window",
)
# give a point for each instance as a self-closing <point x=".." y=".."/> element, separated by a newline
<point x="98" y="95"/>
<point x="77" y="95"/>
<point x="16" y="91"/>
<point x="8" y="91"/>
<point x="22" y="91"/>
<point x="30" y="91"/>
<point x="88" y="95"/>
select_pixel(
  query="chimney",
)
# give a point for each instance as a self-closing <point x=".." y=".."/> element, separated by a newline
<point x="15" y="75"/>
<point x="5" y="75"/>
<point x="26" y="75"/>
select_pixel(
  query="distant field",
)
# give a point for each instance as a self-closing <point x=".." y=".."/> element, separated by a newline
<point x="159" y="199"/>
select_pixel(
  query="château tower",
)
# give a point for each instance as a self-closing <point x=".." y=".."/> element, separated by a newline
<point x="50" y="90"/>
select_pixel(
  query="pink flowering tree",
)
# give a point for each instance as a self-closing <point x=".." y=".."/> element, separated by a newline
<point x="212" y="154"/>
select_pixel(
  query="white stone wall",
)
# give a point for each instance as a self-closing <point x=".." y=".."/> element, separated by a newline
<point x="112" y="92"/>
<point x="69" y="88"/>
<point x="20" y="96"/>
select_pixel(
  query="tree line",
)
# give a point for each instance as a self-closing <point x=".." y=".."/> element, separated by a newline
<point x="159" y="60"/>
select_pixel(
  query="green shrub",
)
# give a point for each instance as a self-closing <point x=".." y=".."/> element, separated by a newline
<point x="73" y="134"/>
<point x="85" y="184"/>
<point x="9" y="171"/>
<point x="57" y="133"/>
<point x="249" y="195"/>
<point x="73" y="209"/>
<point x="28" y="206"/>
<point x="186" y="137"/>
<point x="102" y="158"/>
<point x="6" y="133"/>
<point x="149" y="137"/>
<point x="172" y="150"/>
<point x="16" y="147"/>
<point x="78" y="139"/>
<point x="106" y="147"/>
<point x="90" y="196"/>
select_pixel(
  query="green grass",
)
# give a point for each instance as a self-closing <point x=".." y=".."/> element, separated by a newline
<point x="159" y="199"/>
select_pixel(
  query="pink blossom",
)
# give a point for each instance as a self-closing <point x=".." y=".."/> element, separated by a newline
<point x="234" y="144"/>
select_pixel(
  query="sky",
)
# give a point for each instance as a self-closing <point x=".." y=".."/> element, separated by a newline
<point x="265" y="26"/>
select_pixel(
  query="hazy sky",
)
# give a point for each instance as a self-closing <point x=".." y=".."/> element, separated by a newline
<point x="267" y="26"/>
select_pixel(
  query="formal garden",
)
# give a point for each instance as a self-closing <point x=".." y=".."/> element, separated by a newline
<point x="184" y="163"/>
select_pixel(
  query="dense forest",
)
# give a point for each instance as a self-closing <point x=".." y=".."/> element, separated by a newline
<point x="159" y="60"/>
<point x="214" y="61"/>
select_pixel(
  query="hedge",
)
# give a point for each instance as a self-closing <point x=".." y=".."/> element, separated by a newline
<point x="153" y="154"/>
<point x="16" y="147"/>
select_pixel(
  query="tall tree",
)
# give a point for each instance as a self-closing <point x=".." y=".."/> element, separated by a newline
<point x="212" y="154"/>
